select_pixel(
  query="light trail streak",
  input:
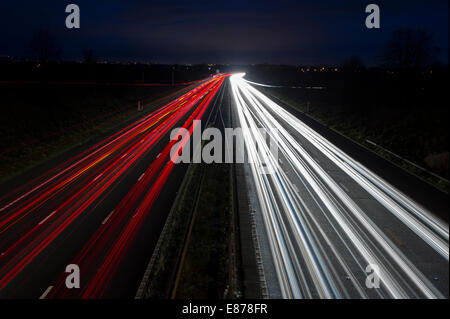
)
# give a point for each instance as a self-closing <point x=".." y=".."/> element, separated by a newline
<point x="291" y="87"/>
<point x="318" y="233"/>
<point x="77" y="186"/>
<point x="100" y="258"/>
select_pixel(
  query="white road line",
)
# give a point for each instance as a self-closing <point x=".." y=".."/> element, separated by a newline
<point x="158" y="155"/>
<point x="45" y="219"/>
<point x="124" y="155"/>
<point x="46" y="292"/>
<point x="98" y="177"/>
<point x="107" y="217"/>
<point x="141" y="177"/>
<point x="343" y="186"/>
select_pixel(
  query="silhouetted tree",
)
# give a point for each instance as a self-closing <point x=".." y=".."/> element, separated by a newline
<point x="407" y="48"/>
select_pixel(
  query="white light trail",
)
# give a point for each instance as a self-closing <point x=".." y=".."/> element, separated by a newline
<point x="316" y="230"/>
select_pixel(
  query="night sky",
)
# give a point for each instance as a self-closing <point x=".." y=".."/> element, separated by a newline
<point x="198" y="31"/>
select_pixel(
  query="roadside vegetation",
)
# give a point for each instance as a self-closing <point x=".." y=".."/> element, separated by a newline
<point x="165" y="259"/>
<point x="210" y="264"/>
<point x="197" y="257"/>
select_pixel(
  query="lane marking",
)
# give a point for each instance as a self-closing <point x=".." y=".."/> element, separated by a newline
<point x="46" y="292"/>
<point x="141" y="177"/>
<point x="343" y="186"/>
<point x="158" y="155"/>
<point x="45" y="219"/>
<point x="395" y="238"/>
<point x="98" y="177"/>
<point x="107" y="217"/>
<point x="124" y="155"/>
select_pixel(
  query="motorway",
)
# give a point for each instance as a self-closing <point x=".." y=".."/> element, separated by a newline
<point x="333" y="227"/>
<point x="325" y="217"/>
<point x="101" y="209"/>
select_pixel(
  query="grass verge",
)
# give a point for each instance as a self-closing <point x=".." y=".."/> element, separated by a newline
<point x="209" y="268"/>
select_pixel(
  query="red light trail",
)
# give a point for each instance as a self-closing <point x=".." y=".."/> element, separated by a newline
<point x="37" y="214"/>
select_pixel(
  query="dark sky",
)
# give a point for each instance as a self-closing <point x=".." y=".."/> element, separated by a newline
<point x="230" y="31"/>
